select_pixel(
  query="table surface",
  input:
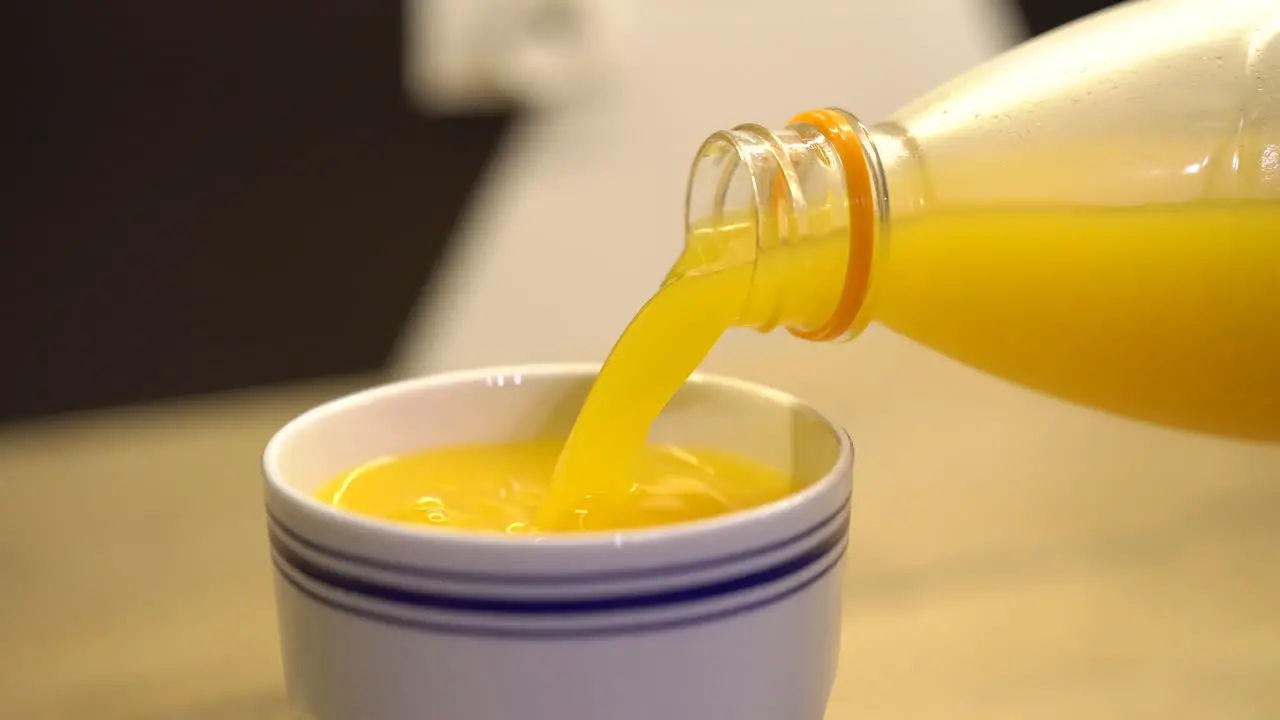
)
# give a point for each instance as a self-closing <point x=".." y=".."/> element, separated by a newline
<point x="1010" y="558"/>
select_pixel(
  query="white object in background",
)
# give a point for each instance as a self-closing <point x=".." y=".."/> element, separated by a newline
<point x="464" y="55"/>
<point x="735" y="616"/>
<point x="582" y="213"/>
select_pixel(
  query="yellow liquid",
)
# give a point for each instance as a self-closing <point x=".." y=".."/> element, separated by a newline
<point x="1163" y="313"/>
<point x="500" y="487"/>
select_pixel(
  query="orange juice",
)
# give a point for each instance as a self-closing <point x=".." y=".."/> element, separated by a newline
<point x="1163" y="313"/>
<point x="499" y="488"/>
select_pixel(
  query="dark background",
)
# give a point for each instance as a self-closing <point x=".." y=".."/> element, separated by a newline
<point x="210" y="196"/>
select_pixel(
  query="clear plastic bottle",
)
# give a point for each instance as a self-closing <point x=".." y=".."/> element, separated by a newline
<point x="1094" y="214"/>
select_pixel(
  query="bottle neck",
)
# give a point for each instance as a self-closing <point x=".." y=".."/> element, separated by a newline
<point x="801" y="207"/>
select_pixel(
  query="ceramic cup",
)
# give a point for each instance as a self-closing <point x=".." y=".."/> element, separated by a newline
<point x="732" y="617"/>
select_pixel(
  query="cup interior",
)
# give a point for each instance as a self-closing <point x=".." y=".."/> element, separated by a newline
<point x="513" y="404"/>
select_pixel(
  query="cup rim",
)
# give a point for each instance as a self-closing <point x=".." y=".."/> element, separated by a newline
<point x="325" y="514"/>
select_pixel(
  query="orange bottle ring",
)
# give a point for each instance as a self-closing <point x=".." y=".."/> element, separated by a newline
<point x="838" y="130"/>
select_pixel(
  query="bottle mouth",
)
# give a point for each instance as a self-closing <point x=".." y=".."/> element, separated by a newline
<point x="784" y="203"/>
<point x="728" y="199"/>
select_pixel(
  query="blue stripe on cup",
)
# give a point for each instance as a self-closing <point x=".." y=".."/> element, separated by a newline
<point x="384" y="592"/>
<point x="280" y="533"/>
<point x="826" y="564"/>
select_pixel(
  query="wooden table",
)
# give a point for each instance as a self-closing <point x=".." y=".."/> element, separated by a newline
<point x="1011" y="558"/>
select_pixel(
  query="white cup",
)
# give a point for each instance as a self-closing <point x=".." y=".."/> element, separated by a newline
<point x="735" y="617"/>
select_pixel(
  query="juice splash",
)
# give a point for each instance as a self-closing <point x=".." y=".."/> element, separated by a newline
<point x="499" y="488"/>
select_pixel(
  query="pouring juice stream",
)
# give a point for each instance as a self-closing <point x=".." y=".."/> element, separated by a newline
<point x="1191" y="342"/>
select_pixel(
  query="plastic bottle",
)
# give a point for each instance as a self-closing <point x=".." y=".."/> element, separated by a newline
<point x="1094" y="214"/>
